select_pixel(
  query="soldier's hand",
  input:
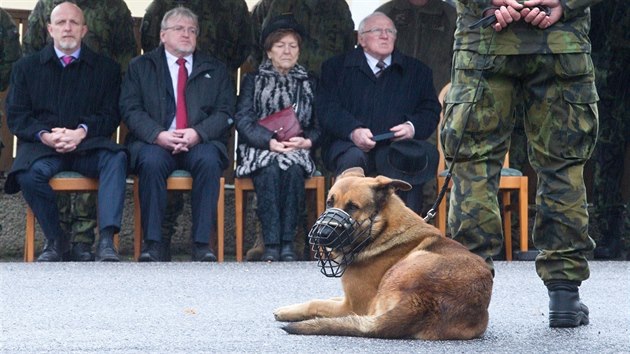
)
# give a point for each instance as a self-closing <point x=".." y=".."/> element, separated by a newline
<point x="536" y="17"/>
<point x="508" y="12"/>
<point x="362" y="138"/>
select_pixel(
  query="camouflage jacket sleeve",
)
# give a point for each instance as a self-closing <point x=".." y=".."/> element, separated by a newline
<point x="9" y="47"/>
<point x="36" y="34"/>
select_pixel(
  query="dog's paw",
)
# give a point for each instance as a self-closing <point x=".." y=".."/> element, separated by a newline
<point x="288" y="314"/>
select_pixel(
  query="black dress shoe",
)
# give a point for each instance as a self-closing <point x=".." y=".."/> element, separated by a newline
<point x="287" y="254"/>
<point x="105" y="251"/>
<point x="271" y="254"/>
<point x="201" y="253"/>
<point x="150" y="252"/>
<point x="81" y="252"/>
<point x="52" y="252"/>
<point x="565" y="307"/>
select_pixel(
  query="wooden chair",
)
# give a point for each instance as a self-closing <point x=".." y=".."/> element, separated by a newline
<point x="243" y="185"/>
<point x="511" y="180"/>
<point x="179" y="180"/>
<point x="64" y="182"/>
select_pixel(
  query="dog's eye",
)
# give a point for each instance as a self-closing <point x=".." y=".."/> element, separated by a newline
<point x="330" y="202"/>
<point x="351" y="207"/>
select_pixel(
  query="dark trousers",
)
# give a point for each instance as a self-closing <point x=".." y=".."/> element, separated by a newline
<point x="352" y="156"/>
<point x="280" y="196"/>
<point x="155" y="164"/>
<point x="109" y="167"/>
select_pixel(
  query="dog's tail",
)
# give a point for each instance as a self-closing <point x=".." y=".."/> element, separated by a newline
<point x="357" y="326"/>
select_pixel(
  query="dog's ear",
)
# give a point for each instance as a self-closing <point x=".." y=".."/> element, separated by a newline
<point x="393" y="183"/>
<point x="352" y="172"/>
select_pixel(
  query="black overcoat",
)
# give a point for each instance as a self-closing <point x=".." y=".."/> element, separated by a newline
<point x="147" y="101"/>
<point x="44" y="95"/>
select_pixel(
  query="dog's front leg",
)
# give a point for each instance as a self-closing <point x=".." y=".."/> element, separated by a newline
<point x="334" y="307"/>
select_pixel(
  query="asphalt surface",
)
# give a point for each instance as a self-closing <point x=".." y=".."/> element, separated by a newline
<point x="227" y="308"/>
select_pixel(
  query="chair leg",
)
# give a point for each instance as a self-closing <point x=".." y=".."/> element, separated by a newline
<point x="507" y="225"/>
<point x="137" y="225"/>
<point x="238" y="203"/>
<point x="29" y="241"/>
<point x="523" y="215"/>
<point x="221" y="221"/>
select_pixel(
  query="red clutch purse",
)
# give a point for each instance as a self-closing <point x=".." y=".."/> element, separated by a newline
<point x="284" y="124"/>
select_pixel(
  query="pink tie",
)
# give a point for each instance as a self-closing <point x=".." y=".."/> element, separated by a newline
<point x="67" y="59"/>
<point x="181" y="117"/>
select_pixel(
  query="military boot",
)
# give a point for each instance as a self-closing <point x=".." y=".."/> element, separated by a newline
<point x="565" y="307"/>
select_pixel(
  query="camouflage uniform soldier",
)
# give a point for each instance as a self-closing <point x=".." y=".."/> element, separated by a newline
<point x="110" y="32"/>
<point x="328" y="24"/>
<point x="224" y="28"/>
<point x="9" y="52"/>
<point x="541" y="61"/>
<point x="425" y="32"/>
<point x="610" y="34"/>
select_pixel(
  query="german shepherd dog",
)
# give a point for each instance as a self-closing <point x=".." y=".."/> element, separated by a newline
<point x="401" y="278"/>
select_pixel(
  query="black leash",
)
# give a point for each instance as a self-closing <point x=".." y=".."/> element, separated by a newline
<point x="449" y="172"/>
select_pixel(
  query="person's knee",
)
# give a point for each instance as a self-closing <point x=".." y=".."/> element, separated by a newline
<point x="38" y="173"/>
<point x="352" y="157"/>
<point x="152" y="162"/>
<point x="206" y="160"/>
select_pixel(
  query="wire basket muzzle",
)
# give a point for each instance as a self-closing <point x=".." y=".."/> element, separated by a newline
<point x="334" y="241"/>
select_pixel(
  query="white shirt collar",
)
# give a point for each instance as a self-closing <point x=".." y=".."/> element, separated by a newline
<point x="373" y="61"/>
<point x="61" y="54"/>
<point x="172" y="60"/>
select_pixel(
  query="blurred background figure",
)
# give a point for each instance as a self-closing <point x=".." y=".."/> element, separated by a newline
<point x="328" y="28"/>
<point x="610" y="36"/>
<point x="10" y="52"/>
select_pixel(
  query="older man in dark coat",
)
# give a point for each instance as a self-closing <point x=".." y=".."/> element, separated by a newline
<point x="62" y="106"/>
<point x="177" y="103"/>
<point x="375" y="89"/>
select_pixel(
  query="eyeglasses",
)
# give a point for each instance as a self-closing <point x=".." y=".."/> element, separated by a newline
<point x="380" y="31"/>
<point x="182" y="29"/>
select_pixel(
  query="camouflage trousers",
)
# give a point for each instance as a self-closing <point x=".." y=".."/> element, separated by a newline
<point x="77" y="215"/>
<point x="561" y="123"/>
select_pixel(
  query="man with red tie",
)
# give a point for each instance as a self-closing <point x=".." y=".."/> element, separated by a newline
<point x="62" y="106"/>
<point x="177" y="103"/>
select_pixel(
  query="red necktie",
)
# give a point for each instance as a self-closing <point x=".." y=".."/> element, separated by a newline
<point x="181" y="117"/>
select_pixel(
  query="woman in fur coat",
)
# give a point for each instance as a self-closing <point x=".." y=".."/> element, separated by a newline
<point x="277" y="168"/>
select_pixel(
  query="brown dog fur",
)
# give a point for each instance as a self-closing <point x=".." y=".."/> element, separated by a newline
<point x="409" y="282"/>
